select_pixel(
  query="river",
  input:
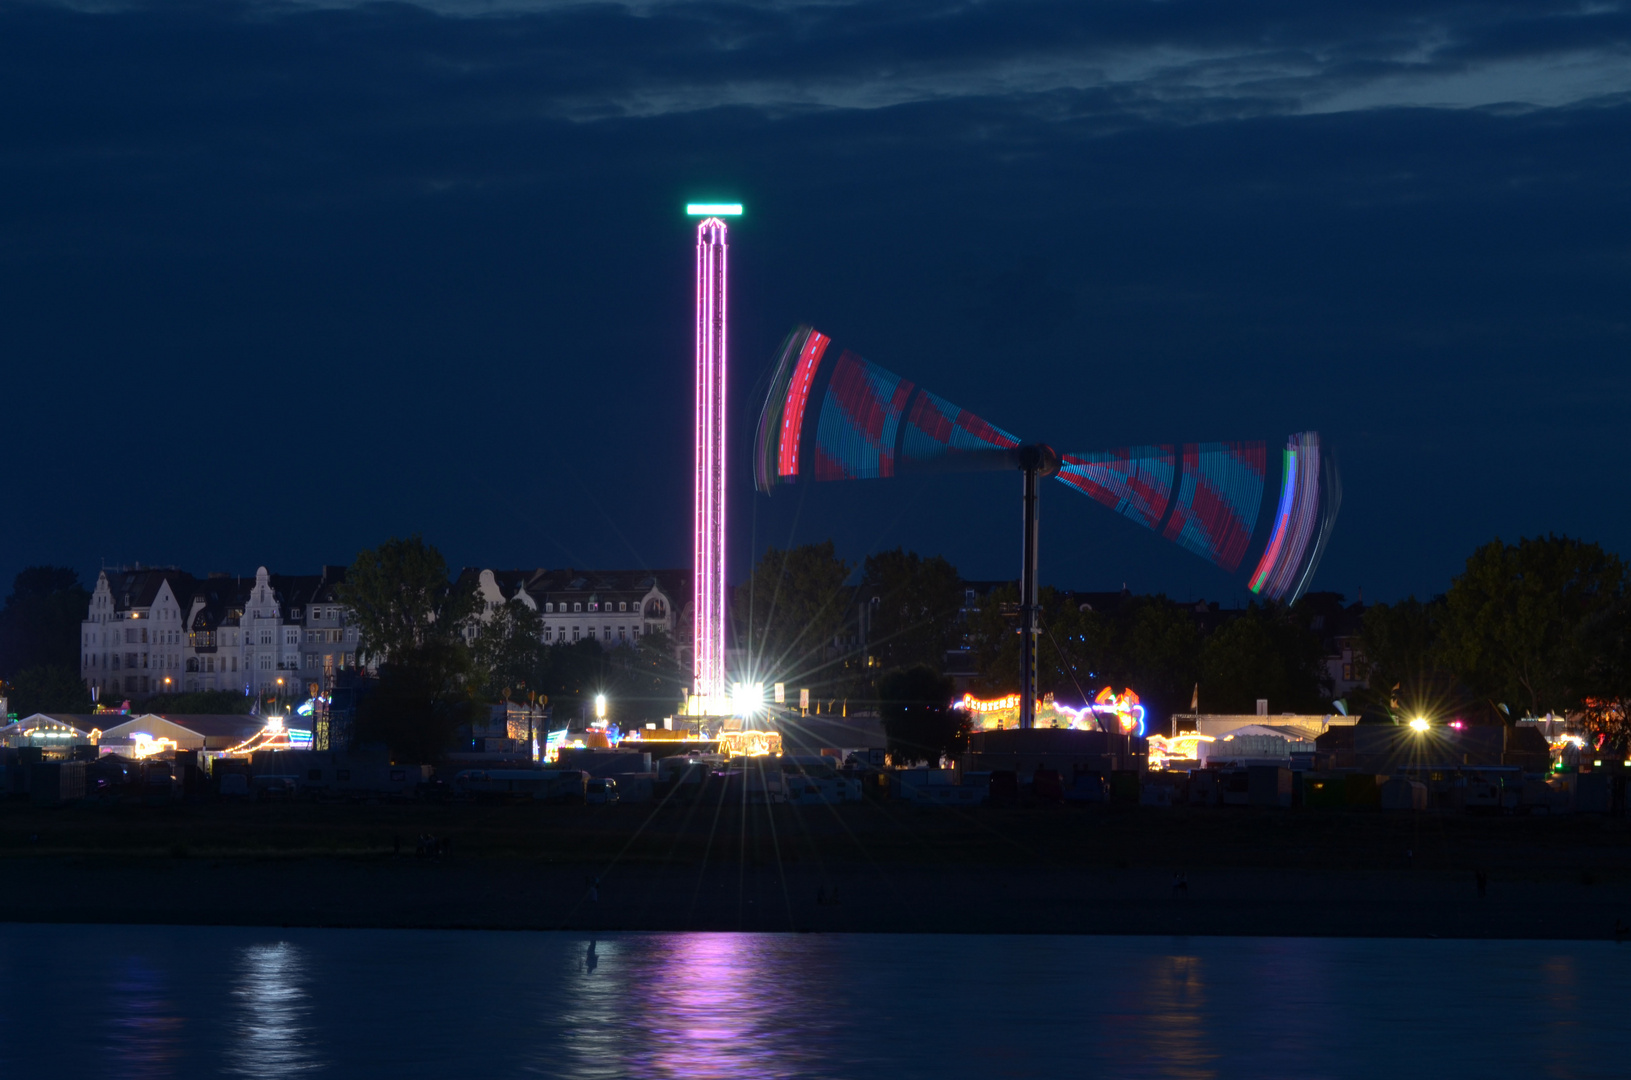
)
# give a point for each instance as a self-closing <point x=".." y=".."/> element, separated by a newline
<point x="170" y="1001"/>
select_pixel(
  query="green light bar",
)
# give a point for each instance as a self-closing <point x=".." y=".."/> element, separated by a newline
<point x="714" y="209"/>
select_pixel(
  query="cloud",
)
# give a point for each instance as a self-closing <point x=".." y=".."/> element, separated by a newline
<point x="1109" y="222"/>
<point x="1174" y="59"/>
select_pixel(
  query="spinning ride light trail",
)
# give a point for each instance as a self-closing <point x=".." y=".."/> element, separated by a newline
<point x="708" y="534"/>
<point x="832" y="415"/>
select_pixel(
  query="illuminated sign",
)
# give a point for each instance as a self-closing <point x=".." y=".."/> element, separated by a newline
<point x="713" y="209"/>
<point x="750" y="743"/>
<point x="147" y="746"/>
<point x="1119" y="713"/>
<point x="994" y="705"/>
<point x="1184" y="747"/>
<point x="553" y="743"/>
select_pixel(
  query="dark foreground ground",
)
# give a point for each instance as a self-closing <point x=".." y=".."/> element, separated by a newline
<point x="892" y="868"/>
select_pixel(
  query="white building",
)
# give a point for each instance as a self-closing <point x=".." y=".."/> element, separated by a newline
<point x="613" y="607"/>
<point x="159" y="630"/>
<point x="153" y="630"/>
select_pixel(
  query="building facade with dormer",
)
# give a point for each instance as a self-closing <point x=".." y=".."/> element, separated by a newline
<point x="611" y="607"/>
<point x="152" y="630"/>
<point x="160" y="630"/>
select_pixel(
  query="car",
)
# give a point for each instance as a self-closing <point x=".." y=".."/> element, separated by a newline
<point x="600" y="791"/>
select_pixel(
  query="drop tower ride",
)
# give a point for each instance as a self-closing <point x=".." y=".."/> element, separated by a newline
<point x="708" y="540"/>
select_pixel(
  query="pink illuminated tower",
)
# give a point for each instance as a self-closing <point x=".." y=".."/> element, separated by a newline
<point x="708" y="552"/>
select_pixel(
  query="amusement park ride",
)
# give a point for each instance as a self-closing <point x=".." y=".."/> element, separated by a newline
<point x="832" y="415"/>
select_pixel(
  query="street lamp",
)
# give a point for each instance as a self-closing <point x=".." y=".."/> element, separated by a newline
<point x="1419" y="724"/>
<point x="600" y="706"/>
<point x="748" y="699"/>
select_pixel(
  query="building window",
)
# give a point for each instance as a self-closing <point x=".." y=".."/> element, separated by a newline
<point x="622" y="634"/>
<point x="1347" y="673"/>
<point x="577" y="607"/>
<point x="574" y="633"/>
<point x="209" y="664"/>
<point x="549" y="635"/>
<point x="291" y="637"/>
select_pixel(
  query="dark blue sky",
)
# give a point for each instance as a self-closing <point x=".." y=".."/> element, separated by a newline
<point x="278" y="281"/>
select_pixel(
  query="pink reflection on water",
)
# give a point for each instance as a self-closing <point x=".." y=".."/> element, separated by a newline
<point x="144" y="1023"/>
<point x="725" y="1005"/>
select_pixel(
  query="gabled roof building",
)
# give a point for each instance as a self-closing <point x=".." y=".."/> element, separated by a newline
<point x="160" y="630"/>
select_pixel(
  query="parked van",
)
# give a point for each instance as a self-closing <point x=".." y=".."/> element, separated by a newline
<point x="508" y="785"/>
<point x="600" y="791"/>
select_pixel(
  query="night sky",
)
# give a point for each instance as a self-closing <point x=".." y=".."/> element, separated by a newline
<point x="279" y="281"/>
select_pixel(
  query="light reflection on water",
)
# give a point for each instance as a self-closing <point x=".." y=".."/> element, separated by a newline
<point x="272" y="1036"/>
<point x="143" y="1025"/>
<point x="196" y="1002"/>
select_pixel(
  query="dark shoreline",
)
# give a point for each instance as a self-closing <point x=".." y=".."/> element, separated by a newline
<point x="480" y="894"/>
<point x="893" y="869"/>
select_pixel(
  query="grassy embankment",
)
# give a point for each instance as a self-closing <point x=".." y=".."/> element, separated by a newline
<point x="893" y="867"/>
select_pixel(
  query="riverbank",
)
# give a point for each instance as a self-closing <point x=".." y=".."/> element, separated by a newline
<point x="862" y="868"/>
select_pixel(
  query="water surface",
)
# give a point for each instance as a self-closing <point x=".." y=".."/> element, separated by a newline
<point x="152" y="1002"/>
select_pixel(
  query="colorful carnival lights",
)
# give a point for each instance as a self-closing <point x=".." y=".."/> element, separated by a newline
<point x="1120" y="714"/>
<point x="708" y="551"/>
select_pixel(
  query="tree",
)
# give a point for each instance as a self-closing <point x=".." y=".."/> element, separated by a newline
<point x="423" y="697"/>
<point x="1157" y="653"/>
<point x="912" y="604"/>
<point x="40" y="623"/>
<point x="1072" y="649"/>
<point x="49" y="688"/>
<point x="918" y="721"/>
<point x="1398" y="648"/>
<point x="1265" y="653"/>
<point x="1516" y="621"/>
<point x="644" y="680"/>
<point x="400" y="597"/>
<point x="793" y="608"/>
<point x="411" y="622"/>
<point x="508" y="651"/>
<point x="206" y="702"/>
<point x="1606" y="638"/>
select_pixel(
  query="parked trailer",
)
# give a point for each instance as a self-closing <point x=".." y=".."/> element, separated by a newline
<point x="543" y="785"/>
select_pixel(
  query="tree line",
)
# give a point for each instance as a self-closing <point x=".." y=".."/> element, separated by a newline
<point x="1539" y="626"/>
<point x="1542" y="625"/>
<point x="1526" y="629"/>
<point x="442" y="660"/>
